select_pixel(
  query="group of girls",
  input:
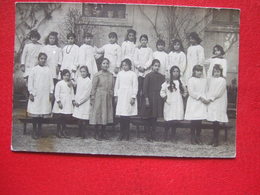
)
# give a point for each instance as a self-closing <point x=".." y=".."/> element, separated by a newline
<point x="133" y="80"/>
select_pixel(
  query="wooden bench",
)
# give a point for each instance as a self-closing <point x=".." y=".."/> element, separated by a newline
<point x="136" y="121"/>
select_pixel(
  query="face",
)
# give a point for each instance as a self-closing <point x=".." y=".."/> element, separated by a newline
<point x="192" y="41"/>
<point x="105" y="65"/>
<point x="156" y="66"/>
<point x="198" y="73"/>
<point x="131" y="37"/>
<point x="143" y="42"/>
<point x="66" y="77"/>
<point x="42" y="60"/>
<point x="88" y="40"/>
<point x="52" y="40"/>
<point x="216" y="73"/>
<point x="217" y="52"/>
<point x="71" y="40"/>
<point x="83" y="72"/>
<point x="175" y="73"/>
<point x="160" y="47"/>
<point x="34" y="39"/>
<point x="125" y="66"/>
<point x="112" y="40"/>
<point x="177" y="46"/>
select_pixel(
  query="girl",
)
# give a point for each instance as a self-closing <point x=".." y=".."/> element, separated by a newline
<point x="153" y="107"/>
<point x="30" y="54"/>
<point x="218" y="58"/>
<point x="82" y="103"/>
<point x="177" y="56"/>
<point x="128" y="46"/>
<point x="195" y="55"/>
<point x="101" y="97"/>
<point x="87" y="55"/>
<point x="40" y="87"/>
<point x="172" y="92"/>
<point x="142" y="60"/>
<point x="217" y="96"/>
<point x="161" y="55"/>
<point x="196" y="109"/>
<point x="64" y="101"/>
<point x="70" y="55"/>
<point x="113" y="53"/>
<point x="126" y="88"/>
<point x="54" y="54"/>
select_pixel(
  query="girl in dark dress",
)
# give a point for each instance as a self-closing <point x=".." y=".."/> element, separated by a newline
<point x="153" y="103"/>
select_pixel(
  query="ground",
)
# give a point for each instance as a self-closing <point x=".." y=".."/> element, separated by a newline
<point x="136" y="146"/>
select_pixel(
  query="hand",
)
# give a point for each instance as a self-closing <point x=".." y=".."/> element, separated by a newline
<point x="31" y="97"/>
<point x="74" y="102"/>
<point x="51" y="97"/>
<point x="60" y="105"/>
<point x="116" y="99"/>
<point x="165" y="99"/>
<point x="132" y="101"/>
<point x="116" y="70"/>
<point x="70" y="84"/>
<point x="77" y="104"/>
<point x="92" y="101"/>
<point x="22" y="67"/>
<point x="141" y="69"/>
<point x="204" y="101"/>
<point x="147" y="103"/>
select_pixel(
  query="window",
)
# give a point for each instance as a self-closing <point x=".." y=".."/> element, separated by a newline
<point x="226" y="17"/>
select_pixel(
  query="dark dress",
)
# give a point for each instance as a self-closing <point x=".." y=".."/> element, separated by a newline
<point x="151" y="88"/>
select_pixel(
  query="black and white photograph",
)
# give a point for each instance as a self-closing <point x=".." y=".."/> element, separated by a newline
<point x="125" y="79"/>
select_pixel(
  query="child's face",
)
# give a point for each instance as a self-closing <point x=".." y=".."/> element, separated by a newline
<point x="217" y="52"/>
<point x="125" y="66"/>
<point x="198" y="73"/>
<point x="177" y="46"/>
<point x="71" y="40"/>
<point x="131" y="37"/>
<point x="66" y="77"/>
<point x="192" y="41"/>
<point x="160" y="47"/>
<point x="143" y="42"/>
<point x="88" y="40"/>
<point x="105" y="65"/>
<point x="216" y="73"/>
<point x="175" y="73"/>
<point x="112" y="40"/>
<point x="156" y="66"/>
<point x="83" y="72"/>
<point x="52" y="40"/>
<point x="34" y="39"/>
<point x="42" y="60"/>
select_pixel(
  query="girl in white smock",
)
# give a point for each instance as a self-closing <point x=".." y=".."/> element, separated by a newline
<point x="161" y="55"/>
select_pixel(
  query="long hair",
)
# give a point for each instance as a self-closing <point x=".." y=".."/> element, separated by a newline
<point x="128" y="32"/>
<point x="218" y="67"/>
<point x="86" y="68"/>
<point x="55" y="34"/>
<point x="220" y="48"/>
<point x="172" y="84"/>
<point x="174" y="42"/>
<point x="128" y="62"/>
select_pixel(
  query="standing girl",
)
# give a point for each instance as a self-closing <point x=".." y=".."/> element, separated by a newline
<point x="126" y="88"/>
<point x="161" y="55"/>
<point x="128" y="46"/>
<point x="82" y="102"/>
<point x="217" y="96"/>
<point x="173" y="92"/>
<point x="54" y="54"/>
<point x="40" y="87"/>
<point x="87" y="55"/>
<point x="196" y="109"/>
<point x="195" y="55"/>
<point x="64" y="101"/>
<point x="70" y="55"/>
<point x="218" y="58"/>
<point x="30" y="54"/>
<point x="142" y="60"/>
<point x="153" y="106"/>
<point x="101" y="97"/>
<point x="177" y="56"/>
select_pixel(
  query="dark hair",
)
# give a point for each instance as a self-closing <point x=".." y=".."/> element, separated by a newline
<point x="55" y="34"/>
<point x="160" y="42"/>
<point x="112" y="34"/>
<point x="65" y="71"/>
<point x="86" y="68"/>
<point x="71" y="35"/>
<point x="42" y="54"/>
<point x="143" y="36"/>
<point x="106" y="60"/>
<point x="220" y="48"/>
<point x="35" y="34"/>
<point x="218" y="67"/>
<point x="173" y="42"/>
<point x="156" y="61"/>
<point x="87" y="34"/>
<point x="195" y="36"/>
<point x="172" y="84"/>
<point x="196" y="68"/>
<point x="128" y="62"/>
<point x="128" y="32"/>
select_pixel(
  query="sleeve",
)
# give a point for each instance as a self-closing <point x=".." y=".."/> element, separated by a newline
<point x="191" y="90"/>
<point x="136" y="58"/>
<point x="86" y="94"/>
<point x="135" y="85"/>
<point x="182" y="63"/>
<point x="31" y="79"/>
<point x="168" y="63"/>
<point x="57" y="91"/>
<point x="94" y="86"/>
<point x="218" y="91"/>
<point x="81" y="56"/>
<point x="224" y="66"/>
<point x="51" y="82"/>
<point x="76" y="59"/>
<point x="123" y="50"/>
<point x="150" y="59"/>
<point x="146" y="85"/>
<point x="24" y="54"/>
<point x="59" y="56"/>
<point x="201" y="56"/>
<point x="117" y="84"/>
<point x="163" y="91"/>
<point x="72" y="93"/>
<point x="119" y="56"/>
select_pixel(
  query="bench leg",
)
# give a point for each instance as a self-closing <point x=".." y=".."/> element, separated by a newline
<point x="24" y="128"/>
<point x="226" y="132"/>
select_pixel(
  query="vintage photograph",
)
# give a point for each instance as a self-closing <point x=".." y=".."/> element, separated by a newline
<point x="125" y="79"/>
